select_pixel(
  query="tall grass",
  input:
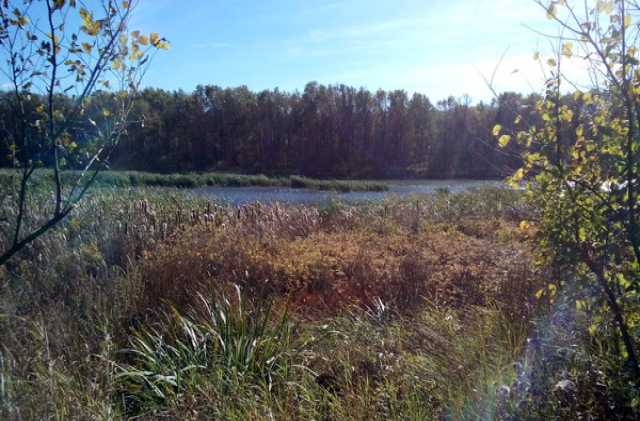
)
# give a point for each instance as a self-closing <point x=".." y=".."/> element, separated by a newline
<point x="193" y="180"/>
<point x="221" y="344"/>
<point x="332" y="257"/>
<point x="336" y="185"/>
<point x="413" y="309"/>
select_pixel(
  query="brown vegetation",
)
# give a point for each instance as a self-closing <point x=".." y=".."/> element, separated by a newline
<point x="415" y="309"/>
<point x="325" y="263"/>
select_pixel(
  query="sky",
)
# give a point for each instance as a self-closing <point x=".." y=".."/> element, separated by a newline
<point x="436" y="47"/>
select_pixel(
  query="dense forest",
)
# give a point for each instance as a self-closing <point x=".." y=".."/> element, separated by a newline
<point x="324" y="131"/>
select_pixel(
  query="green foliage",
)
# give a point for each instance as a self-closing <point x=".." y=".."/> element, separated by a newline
<point x="435" y="363"/>
<point x="224" y="342"/>
<point x="193" y="180"/>
<point x="567" y="374"/>
<point x="336" y="185"/>
<point x="580" y="170"/>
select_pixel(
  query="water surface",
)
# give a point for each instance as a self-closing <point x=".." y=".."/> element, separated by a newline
<point x="397" y="188"/>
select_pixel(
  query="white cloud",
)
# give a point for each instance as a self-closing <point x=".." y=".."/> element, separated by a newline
<point x="365" y="30"/>
<point x="519" y="72"/>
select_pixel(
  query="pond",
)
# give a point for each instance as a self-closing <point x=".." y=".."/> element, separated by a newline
<point x="397" y="188"/>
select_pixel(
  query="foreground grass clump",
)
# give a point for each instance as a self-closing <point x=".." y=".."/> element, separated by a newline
<point x="364" y="364"/>
<point x="149" y="303"/>
<point x="222" y="345"/>
<point x="193" y="180"/>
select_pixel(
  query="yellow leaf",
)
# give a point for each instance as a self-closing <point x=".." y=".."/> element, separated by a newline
<point x="163" y="45"/>
<point x="624" y="281"/>
<point x="122" y="40"/>
<point x="89" y="25"/>
<point x="136" y="54"/>
<point x="533" y="157"/>
<point x="85" y="15"/>
<point x="518" y="176"/>
<point x="567" y="49"/>
<point x="604" y="6"/>
<point x="116" y="64"/>
<point x="582" y="234"/>
<point x="566" y="114"/>
<point x="155" y="38"/>
<point x="20" y="21"/>
<point x="587" y="97"/>
<point x="496" y="129"/>
<point x="504" y="140"/>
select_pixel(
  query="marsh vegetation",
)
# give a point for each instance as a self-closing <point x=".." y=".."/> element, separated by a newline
<point x="153" y="303"/>
<point x="126" y="294"/>
<point x="178" y="306"/>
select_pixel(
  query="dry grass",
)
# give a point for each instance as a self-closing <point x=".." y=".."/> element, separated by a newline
<point x="399" y="310"/>
<point x="325" y="265"/>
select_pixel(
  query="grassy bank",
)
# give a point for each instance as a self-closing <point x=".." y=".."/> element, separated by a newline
<point x="193" y="180"/>
<point x="148" y="303"/>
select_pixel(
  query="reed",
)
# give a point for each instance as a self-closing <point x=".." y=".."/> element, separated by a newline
<point x="194" y="180"/>
<point x="405" y="309"/>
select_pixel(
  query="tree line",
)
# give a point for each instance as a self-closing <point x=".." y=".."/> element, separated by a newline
<point x="323" y="131"/>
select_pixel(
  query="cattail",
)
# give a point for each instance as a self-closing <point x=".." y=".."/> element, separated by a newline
<point x="164" y="230"/>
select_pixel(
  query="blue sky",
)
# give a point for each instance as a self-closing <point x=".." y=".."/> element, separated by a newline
<point x="437" y="47"/>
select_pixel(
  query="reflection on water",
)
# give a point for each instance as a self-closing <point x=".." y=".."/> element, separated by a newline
<point x="397" y="188"/>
